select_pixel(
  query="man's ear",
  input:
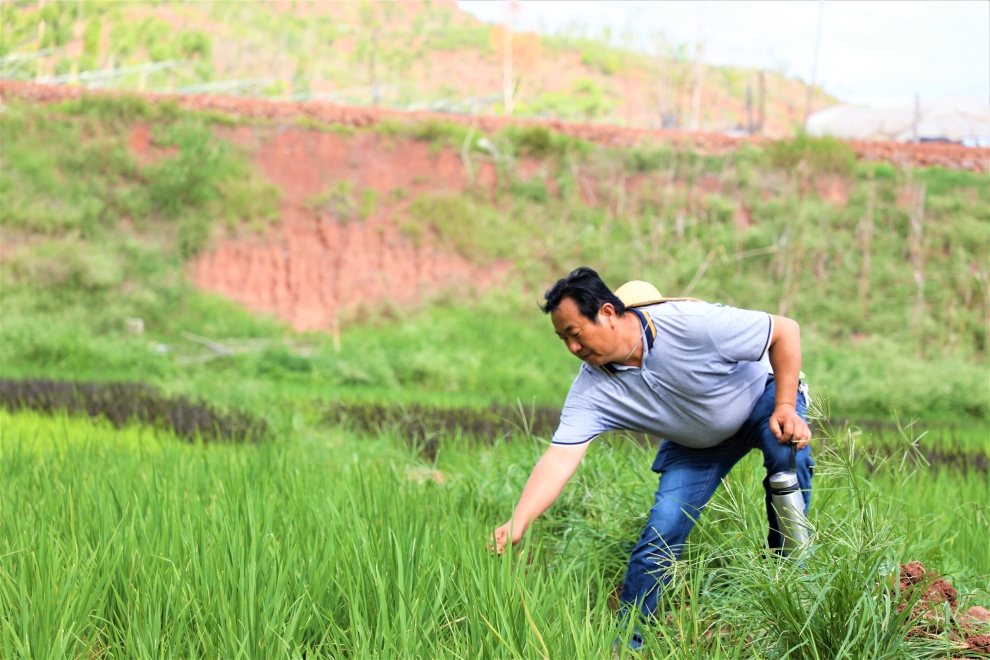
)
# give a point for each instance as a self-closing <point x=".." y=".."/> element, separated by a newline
<point x="608" y="315"/>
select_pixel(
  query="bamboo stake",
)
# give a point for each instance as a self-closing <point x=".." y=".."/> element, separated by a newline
<point x="916" y="256"/>
<point x="866" y="244"/>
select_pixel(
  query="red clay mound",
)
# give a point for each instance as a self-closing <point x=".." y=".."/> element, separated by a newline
<point x="319" y="261"/>
<point x="969" y="630"/>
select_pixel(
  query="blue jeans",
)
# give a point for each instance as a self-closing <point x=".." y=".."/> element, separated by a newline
<point x="689" y="479"/>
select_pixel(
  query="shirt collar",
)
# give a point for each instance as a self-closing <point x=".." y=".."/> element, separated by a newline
<point x="649" y="331"/>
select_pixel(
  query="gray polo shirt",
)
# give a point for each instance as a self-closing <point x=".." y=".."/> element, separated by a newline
<point x="701" y="378"/>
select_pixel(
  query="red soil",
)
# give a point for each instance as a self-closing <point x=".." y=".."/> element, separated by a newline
<point x="308" y="268"/>
<point x="313" y="266"/>
<point x="970" y="631"/>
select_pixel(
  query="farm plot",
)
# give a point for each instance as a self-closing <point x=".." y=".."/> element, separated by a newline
<point x="129" y="543"/>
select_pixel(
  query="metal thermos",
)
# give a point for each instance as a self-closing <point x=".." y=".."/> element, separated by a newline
<point x="788" y="502"/>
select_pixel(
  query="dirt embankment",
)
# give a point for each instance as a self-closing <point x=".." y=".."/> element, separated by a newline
<point x="917" y="155"/>
<point x="319" y="261"/>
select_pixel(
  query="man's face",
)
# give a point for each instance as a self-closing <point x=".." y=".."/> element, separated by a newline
<point x="592" y="341"/>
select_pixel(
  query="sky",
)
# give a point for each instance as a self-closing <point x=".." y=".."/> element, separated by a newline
<point x="872" y="53"/>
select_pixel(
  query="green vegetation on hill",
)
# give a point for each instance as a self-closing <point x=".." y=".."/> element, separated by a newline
<point x="93" y="237"/>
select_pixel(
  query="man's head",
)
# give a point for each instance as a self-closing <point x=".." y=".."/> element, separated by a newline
<point x="586" y="316"/>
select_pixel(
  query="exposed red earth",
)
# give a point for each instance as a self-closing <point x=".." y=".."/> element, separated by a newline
<point x="312" y="266"/>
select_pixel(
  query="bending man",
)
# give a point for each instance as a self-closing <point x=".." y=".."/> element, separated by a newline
<point x="690" y="372"/>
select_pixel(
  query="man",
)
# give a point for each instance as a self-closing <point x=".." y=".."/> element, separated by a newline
<point x="690" y="372"/>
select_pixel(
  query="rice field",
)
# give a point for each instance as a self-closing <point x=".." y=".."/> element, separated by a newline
<point x="129" y="542"/>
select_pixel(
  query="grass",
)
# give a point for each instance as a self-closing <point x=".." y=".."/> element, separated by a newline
<point x="127" y="542"/>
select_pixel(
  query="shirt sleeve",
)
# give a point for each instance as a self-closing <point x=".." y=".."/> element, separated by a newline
<point x="579" y="421"/>
<point x="740" y="335"/>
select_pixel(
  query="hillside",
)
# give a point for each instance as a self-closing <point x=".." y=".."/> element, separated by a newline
<point x="116" y="208"/>
<point x="408" y="55"/>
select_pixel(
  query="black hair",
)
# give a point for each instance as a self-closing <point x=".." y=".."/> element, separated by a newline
<point x="584" y="287"/>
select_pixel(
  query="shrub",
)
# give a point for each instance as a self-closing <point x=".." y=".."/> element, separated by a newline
<point x="538" y="141"/>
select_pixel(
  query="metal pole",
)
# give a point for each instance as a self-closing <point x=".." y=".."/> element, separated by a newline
<point x="749" y="108"/>
<point x="814" y="63"/>
<point x="917" y="117"/>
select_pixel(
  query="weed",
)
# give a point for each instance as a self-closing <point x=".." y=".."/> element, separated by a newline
<point x="538" y="141"/>
<point x="119" y="110"/>
<point x="337" y="202"/>
<point x="533" y="190"/>
<point x="648" y="159"/>
<point x="369" y="202"/>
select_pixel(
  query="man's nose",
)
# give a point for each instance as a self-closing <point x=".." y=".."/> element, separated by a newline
<point x="574" y="347"/>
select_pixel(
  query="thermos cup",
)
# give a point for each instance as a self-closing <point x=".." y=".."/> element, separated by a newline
<point x="788" y="502"/>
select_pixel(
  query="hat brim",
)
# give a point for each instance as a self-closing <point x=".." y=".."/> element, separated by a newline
<point x="644" y="303"/>
<point x="657" y="301"/>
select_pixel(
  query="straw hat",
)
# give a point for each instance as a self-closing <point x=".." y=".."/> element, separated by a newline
<point x="638" y="293"/>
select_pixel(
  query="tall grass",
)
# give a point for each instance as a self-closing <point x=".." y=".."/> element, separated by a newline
<point x="126" y="543"/>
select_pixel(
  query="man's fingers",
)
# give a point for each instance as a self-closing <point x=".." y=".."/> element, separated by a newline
<point x="775" y="427"/>
<point x="789" y="428"/>
<point x="496" y="541"/>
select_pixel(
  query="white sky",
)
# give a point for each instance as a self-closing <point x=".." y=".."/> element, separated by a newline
<point x="872" y="52"/>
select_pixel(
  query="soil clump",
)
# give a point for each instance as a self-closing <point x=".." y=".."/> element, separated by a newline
<point x="970" y="630"/>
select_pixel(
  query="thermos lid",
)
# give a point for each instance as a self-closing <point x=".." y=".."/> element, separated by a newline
<point x="783" y="480"/>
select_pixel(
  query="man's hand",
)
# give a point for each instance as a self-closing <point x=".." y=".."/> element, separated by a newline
<point x="548" y="478"/>
<point x="500" y="537"/>
<point x="788" y="426"/>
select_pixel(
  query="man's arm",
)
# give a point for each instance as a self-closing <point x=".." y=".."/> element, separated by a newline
<point x="785" y="358"/>
<point x="549" y="476"/>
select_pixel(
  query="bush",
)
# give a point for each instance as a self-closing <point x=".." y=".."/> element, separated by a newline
<point x="539" y="142"/>
<point x="825" y="155"/>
